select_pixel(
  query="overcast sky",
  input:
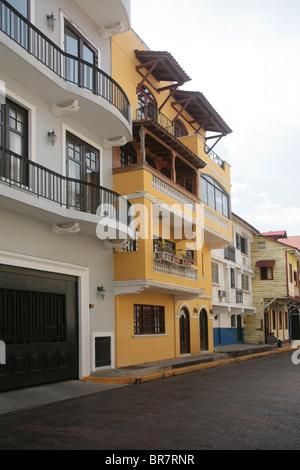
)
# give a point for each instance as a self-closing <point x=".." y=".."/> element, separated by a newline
<point x="244" y="56"/>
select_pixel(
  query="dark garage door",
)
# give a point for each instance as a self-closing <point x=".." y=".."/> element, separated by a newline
<point x="38" y="323"/>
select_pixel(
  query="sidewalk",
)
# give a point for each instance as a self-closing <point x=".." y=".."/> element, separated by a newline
<point x="222" y="355"/>
<point x="28" y="398"/>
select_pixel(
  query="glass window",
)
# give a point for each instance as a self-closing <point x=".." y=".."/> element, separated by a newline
<point x="22" y="6"/>
<point x="83" y="171"/>
<point x="214" y="195"/>
<point x="77" y="72"/>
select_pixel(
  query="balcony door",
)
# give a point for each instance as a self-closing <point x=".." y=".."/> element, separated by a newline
<point x="83" y="162"/>
<point x="147" y="104"/>
<point x="79" y="72"/>
<point x="13" y="142"/>
<point x="22" y="6"/>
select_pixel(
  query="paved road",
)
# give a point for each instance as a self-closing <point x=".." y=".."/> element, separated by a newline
<point x="250" y="405"/>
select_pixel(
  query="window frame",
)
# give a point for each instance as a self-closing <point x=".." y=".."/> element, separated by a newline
<point x="83" y="40"/>
<point x="149" y="320"/>
<point x="215" y="273"/>
<point x="269" y="270"/>
<point x="209" y="188"/>
<point x="28" y="17"/>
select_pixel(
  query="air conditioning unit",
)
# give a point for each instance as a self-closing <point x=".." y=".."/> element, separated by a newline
<point x="222" y="293"/>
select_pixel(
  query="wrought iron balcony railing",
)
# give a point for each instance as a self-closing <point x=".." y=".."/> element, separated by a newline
<point x="70" y="193"/>
<point x="218" y="160"/>
<point x="151" y="112"/>
<point x="68" y="67"/>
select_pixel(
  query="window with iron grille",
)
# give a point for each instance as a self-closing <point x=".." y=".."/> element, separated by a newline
<point x="149" y="320"/>
<point x="215" y="273"/>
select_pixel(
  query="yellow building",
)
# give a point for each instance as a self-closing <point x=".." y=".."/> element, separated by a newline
<point x="275" y="262"/>
<point x="180" y="192"/>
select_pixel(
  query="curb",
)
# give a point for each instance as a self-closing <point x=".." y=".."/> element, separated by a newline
<point x="182" y="370"/>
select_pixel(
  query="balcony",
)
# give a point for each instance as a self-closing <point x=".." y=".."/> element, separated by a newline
<point x="65" y="198"/>
<point x="151" y="112"/>
<point x="61" y="78"/>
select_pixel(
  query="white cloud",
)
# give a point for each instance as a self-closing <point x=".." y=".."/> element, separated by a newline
<point x="263" y="213"/>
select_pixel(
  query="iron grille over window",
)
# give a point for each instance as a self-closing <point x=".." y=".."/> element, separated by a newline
<point x="149" y="319"/>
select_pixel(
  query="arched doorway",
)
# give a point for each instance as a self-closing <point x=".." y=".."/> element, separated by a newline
<point x="203" y="330"/>
<point x="184" y="331"/>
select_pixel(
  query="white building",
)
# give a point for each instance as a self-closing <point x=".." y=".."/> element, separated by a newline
<point x="60" y="115"/>
<point x="232" y="284"/>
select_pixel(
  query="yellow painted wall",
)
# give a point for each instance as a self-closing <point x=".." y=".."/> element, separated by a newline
<point x="139" y="265"/>
<point x="139" y="349"/>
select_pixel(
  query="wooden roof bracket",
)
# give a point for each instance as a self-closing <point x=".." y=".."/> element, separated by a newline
<point x="145" y="77"/>
<point x="172" y="89"/>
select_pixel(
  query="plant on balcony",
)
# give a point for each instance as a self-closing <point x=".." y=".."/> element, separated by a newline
<point x="184" y="258"/>
<point x="164" y="252"/>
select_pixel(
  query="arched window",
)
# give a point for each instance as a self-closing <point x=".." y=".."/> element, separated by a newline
<point x="147" y="105"/>
<point x="214" y="195"/>
<point x="179" y="128"/>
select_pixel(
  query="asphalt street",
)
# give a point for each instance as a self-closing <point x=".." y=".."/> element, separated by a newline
<point x="251" y="405"/>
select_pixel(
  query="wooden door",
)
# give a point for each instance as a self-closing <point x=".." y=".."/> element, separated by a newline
<point x="184" y="331"/>
<point x="203" y="331"/>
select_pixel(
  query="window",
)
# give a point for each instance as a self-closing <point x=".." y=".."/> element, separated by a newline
<point x="295" y="278"/>
<point x="261" y="245"/>
<point x="229" y="253"/>
<point x="13" y="142"/>
<point x="179" y="128"/>
<point x="22" y="6"/>
<point x="232" y="278"/>
<point x="244" y="245"/>
<point x="213" y="194"/>
<point x="215" y="273"/>
<point x="149" y="319"/>
<point x="245" y="282"/>
<point x="127" y="155"/>
<point x="76" y="45"/>
<point x="147" y="105"/>
<point x="83" y="171"/>
<point x="291" y="272"/>
<point x="266" y="273"/>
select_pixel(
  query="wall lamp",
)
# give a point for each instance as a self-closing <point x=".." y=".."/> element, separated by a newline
<point x="101" y="291"/>
<point x="51" y="21"/>
<point x="52" y="137"/>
